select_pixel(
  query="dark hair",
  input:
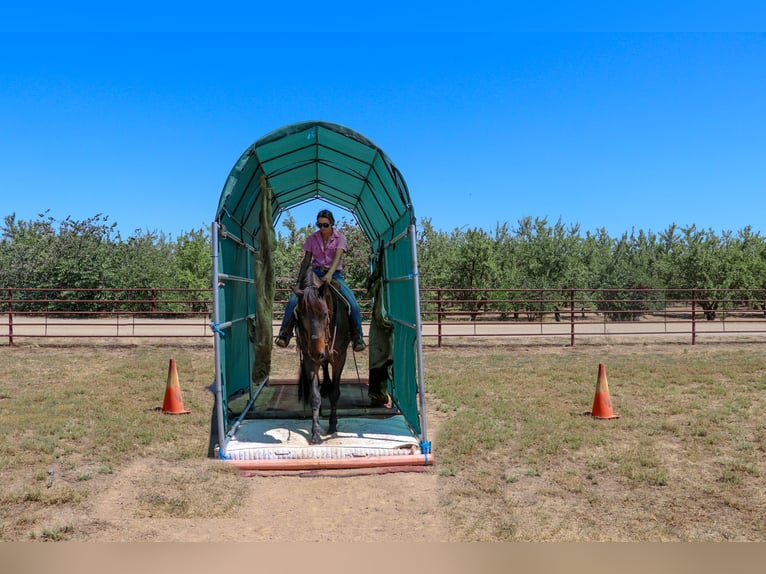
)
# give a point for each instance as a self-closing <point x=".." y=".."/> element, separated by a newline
<point x="327" y="214"/>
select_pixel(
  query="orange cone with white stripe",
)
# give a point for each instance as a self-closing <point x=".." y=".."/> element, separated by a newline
<point x="173" y="403"/>
<point x="602" y="403"/>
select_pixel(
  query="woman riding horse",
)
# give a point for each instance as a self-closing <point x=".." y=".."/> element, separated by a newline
<point x="323" y="251"/>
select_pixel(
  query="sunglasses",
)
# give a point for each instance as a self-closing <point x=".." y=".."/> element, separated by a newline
<point x="325" y="225"/>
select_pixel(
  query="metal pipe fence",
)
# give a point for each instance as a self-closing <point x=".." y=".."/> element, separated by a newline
<point x="101" y="313"/>
<point x="578" y="313"/>
<point x="447" y="314"/>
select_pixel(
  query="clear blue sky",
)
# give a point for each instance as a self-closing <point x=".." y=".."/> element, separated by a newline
<point x="142" y="119"/>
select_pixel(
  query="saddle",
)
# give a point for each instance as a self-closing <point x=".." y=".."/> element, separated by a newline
<point x="339" y="296"/>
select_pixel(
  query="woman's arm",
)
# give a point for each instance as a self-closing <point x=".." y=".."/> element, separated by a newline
<point x="335" y="262"/>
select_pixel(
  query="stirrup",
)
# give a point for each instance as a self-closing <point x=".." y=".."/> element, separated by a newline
<point x="282" y="341"/>
<point x="359" y="345"/>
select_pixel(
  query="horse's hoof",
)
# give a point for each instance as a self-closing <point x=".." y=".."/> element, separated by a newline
<point x="315" y="439"/>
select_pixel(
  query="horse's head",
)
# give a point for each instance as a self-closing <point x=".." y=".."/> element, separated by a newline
<point x="313" y="317"/>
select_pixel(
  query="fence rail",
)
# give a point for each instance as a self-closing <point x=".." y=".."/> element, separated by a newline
<point x="569" y="313"/>
<point x="446" y="313"/>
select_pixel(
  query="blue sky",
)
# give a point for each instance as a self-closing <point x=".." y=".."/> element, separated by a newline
<point x="143" y="120"/>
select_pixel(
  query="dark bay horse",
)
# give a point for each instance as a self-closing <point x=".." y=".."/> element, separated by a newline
<point x="323" y="336"/>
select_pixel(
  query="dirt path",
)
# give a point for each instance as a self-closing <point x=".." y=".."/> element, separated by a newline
<point x="339" y="506"/>
<point x="133" y="504"/>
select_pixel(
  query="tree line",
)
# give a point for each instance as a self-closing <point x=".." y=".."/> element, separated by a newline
<point x="83" y="255"/>
<point x="533" y="254"/>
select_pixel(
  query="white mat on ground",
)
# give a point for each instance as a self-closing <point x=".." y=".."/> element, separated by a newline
<point x="289" y="439"/>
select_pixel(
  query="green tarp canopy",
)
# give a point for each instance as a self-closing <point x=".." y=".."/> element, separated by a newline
<point x="296" y="164"/>
<point x="318" y="160"/>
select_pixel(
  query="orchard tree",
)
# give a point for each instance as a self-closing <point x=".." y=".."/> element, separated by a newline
<point x="595" y="256"/>
<point x="433" y="252"/>
<point x="83" y="253"/>
<point x="474" y="266"/>
<point x="542" y="253"/>
<point x="627" y="279"/>
<point x="194" y="268"/>
<point x="47" y="253"/>
<point x="547" y="257"/>
<point x="752" y="267"/>
<point x="708" y="263"/>
<point x="669" y="248"/>
<point x="26" y="251"/>
<point x="356" y="263"/>
<point x="288" y="251"/>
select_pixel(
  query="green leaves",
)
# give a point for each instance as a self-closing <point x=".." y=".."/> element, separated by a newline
<point x="537" y="255"/>
<point x="532" y="255"/>
<point x="91" y="254"/>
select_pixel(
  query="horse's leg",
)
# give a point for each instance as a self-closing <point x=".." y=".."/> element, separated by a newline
<point x="337" y="370"/>
<point x="316" y="403"/>
<point x="329" y="384"/>
<point x="326" y="388"/>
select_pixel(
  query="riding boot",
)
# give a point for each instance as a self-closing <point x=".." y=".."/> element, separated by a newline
<point x="283" y="339"/>
<point x="285" y="333"/>
<point x="356" y="337"/>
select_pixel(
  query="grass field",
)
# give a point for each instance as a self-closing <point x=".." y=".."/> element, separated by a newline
<point x="517" y="457"/>
<point x="685" y="460"/>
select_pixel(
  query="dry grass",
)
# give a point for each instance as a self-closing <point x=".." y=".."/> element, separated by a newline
<point x="516" y="456"/>
<point x="73" y="415"/>
<point x="685" y="460"/>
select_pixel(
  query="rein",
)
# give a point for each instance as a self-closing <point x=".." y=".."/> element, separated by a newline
<point x="336" y="309"/>
<point x="331" y="348"/>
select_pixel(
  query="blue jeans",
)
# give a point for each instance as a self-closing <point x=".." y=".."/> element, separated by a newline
<point x="356" y="313"/>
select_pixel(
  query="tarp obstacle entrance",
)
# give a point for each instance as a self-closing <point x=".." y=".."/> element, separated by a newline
<point x="288" y="167"/>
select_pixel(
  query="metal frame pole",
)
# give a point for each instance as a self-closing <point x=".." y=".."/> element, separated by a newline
<point x="425" y="445"/>
<point x="217" y="340"/>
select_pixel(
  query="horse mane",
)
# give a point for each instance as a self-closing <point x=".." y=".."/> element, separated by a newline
<point x="310" y="290"/>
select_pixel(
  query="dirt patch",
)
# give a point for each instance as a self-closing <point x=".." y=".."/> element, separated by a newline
<point x="300" y="508"/>
<point x="152" y="499"/>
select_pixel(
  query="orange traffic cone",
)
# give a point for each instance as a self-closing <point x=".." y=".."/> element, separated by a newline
<point x="173" y="403"/>
<point x="602" y="403"/>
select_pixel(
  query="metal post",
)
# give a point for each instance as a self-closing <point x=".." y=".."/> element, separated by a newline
<point x="217" y="341"/>
<point x="419" y="335"/>
<point x="694" y="316"/>
<point x="571" y="317"/>
<point x="10" y="317"/>
<point x="439" y="310"/>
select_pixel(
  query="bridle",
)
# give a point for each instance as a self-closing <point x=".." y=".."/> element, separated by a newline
<point x="328" y="336"/>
